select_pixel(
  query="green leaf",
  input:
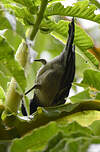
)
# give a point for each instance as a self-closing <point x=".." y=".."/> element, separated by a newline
<point x="89" y="58"/>
<point x="81" y="64"/>
<point x="4" y="23"/>
<point x="21" y="13"/>
<point x="54" y="141"/>
<point x="35" y="143"/>
<point x="77" y="145"/>
<point x="91" y="79"/>
<point x="13" y="39"/>
<point x="82" y="40"/>
<point x="60" y="147"/>
<point x="33" y="140"/>
<point x="3" y="80"/>
<point x="52" y="1"/>
<point x="80" y="9"/>
<point x="82" y="113"/>
<point x="13" y="36"/>
<point x="85" y="118"/>
<point x="98" y="96"/>
<point x="95" y="2"/>
<point x="81" y="97"/>
<point x="30" y="4"/>
<point x="1" y="109"/>
<point x="95" y="127"/>
<point x="8" y="62"/>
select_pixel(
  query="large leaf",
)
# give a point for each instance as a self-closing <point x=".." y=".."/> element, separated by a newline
<point x="28" y="3"/>
<point x="95" y="2"/>
<point x="58" y="113"/>
<point x="7" y="24"/>
<point x="3" y="80"/>
<point x="8" y="62"/>
<point x="91" y="79"/>
<point x="81" y="97"/>
<point x="96" y="127"/>
<point x="82" y="40"/>
<point x="14" y="34"/>
<point x="84" y="118"/>
<point x="13" y="39"/>
<point x="70" y="137"/>
<point x="22" y="13"/>
<point x="80" y="9"/>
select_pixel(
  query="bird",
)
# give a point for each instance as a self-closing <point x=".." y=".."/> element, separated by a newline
<point x="54" y="79"/>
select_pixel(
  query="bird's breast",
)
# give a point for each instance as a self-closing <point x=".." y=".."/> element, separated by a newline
<point x="49" y="80"/>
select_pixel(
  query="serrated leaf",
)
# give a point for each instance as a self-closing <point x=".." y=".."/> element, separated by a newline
<point x="82" y="40"/>
<point x="27" y="3"/>
<point x="52" y="1"/>
<point x="8" y="61"/>
<point x="80" y="9"/>
<point x="21" y="13"/>
<point x="95" y="2"/>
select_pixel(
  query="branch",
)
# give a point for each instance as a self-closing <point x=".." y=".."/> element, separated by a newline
<point x="39" y="18"/>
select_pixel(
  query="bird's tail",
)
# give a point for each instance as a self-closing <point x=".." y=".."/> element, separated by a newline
<point x="69" y="45"/>
<point x="69" y="57"/>
<point x="71" y="34"/>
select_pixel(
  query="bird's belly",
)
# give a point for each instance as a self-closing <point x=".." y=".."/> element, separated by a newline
<point x="49" y="87"/>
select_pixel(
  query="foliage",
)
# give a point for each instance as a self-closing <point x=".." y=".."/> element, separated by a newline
<point x="70" y="127"/>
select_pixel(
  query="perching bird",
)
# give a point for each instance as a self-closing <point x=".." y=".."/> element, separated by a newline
<point x="54" y="79"/>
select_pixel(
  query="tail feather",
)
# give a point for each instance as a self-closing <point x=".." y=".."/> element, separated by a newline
<point x="70" y="60"/>
<point x="71" y="35"/>
<point x="68" y="57"/>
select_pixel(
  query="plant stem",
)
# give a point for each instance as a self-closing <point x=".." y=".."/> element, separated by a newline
<point x="39" y="18"/>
